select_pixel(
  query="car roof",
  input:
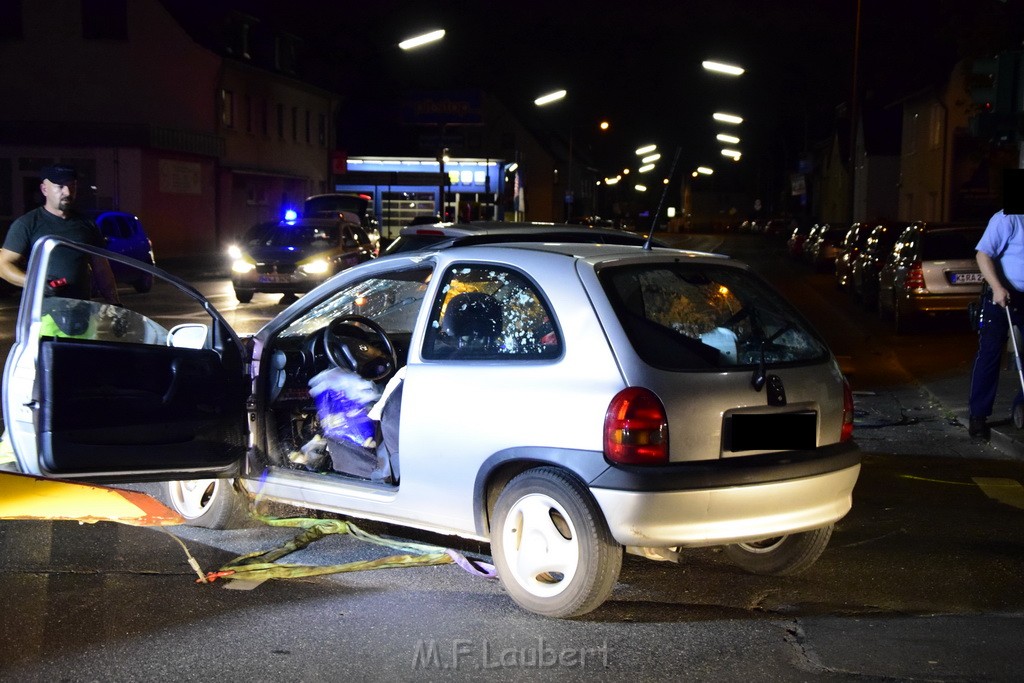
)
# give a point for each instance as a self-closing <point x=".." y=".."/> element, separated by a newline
<point x="590" y="251"/>
<point x="500" y="227"/>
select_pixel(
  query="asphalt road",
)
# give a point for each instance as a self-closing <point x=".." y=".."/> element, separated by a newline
<point x="922" y="580"/>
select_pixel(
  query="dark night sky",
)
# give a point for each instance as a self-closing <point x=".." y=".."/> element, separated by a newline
<point x="638" y="63"/>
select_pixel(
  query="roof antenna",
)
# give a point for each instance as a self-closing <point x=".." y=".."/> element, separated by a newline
<point x="657" y="214"/>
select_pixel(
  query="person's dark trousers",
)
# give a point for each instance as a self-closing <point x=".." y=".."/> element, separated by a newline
<point x="991" y="342"/>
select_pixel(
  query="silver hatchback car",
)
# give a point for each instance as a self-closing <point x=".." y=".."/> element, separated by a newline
<point x="565" y="402"/>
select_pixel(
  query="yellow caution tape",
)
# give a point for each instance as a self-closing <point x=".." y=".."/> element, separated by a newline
<point x="262" y="565"/>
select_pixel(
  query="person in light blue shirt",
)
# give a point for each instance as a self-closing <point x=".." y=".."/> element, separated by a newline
<point x="1001" y="261"/>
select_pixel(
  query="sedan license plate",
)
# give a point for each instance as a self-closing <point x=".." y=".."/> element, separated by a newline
<point x="964" y="278"/>
<point x="770" y="432"/>
<point x="274" y="278"/>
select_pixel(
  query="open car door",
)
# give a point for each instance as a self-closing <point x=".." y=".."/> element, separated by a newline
<point x="152" y="390"/>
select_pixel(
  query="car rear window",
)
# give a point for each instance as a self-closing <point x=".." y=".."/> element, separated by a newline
<point x="950" y="244"/>
<point x="685" y="316"/>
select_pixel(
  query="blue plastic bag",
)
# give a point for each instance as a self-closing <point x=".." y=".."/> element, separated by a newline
<point x="343" y="400"/>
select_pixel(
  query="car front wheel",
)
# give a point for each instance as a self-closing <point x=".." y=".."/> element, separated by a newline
<point x="551" y="546"/>
<point x="781" y="555"/>
<point x="210" y="503"/>
<point x="244" y="296"/>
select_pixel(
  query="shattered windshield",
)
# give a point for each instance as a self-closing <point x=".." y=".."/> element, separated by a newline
<point x="684" y="316"/>
<point x="392" y="300"/>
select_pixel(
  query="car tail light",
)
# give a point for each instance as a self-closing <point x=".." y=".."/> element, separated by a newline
<point x="636" y="429"/>
<point x="847" y="430"/>
<point x="915" y="276"/>
<point x="428" y="231"/>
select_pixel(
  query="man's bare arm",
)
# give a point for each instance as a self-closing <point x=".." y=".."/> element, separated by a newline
<point x="12" y="268"/>
<point x="1000" y="295"/>
<point x="105" y="279"/>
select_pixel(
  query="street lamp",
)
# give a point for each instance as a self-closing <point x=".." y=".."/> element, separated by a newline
<point x="722" y="68"/>
<point x="569" y="194"/>
<point x="421" y="40"/>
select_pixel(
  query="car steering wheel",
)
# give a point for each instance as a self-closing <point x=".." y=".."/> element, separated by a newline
<point x="356" y="343"/>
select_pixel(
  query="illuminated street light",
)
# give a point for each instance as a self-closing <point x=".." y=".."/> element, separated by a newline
<point x="604" y="125"/>
<point x="549" y="98"/>
<point x="645" y="168"/>
<point x="727" y="118"/>
<point x="729" y="139"/>
<point x="650" y="159"/>
<point x="734" y="153"/>
<point x="704" y="170"/>
<point x="719" y="67"/>
<point x="613" y="181"/>
<point x="421" y="40"/>
<point x="640" y="188"/>
<point x="646" y="149"/>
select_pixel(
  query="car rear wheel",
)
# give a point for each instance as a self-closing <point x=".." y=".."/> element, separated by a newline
<point x="781" y="555"/>
<point x="210" y="503"/>
<point x="551" y="546"/>
<point x="244" y="295"/>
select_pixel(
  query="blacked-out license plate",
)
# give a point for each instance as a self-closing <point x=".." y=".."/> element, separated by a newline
<point x="770" y="432"/>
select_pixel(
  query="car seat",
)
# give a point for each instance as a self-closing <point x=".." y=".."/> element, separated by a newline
<point x="472" y="324"/>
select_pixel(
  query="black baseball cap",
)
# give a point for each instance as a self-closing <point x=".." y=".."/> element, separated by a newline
<point x="59" y="174"/>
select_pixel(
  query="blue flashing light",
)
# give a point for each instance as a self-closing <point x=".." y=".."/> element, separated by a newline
<point x="291" y="214"/>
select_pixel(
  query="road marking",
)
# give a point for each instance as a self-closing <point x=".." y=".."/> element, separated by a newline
<point x="1007" y="491"/>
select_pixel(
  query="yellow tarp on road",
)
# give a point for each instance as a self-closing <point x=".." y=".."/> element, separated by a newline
<point x="23" y="496"/>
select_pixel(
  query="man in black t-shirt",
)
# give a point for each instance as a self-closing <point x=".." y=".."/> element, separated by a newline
<point x="69" y="271"/>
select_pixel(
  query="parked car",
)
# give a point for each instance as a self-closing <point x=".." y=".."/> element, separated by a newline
<point x="865" y="270"/>
<point x="852" y="243"/>
<point x="123" y="233"/>
<point x="444" y="235"/>
<point x="932" y="271"/>
<point x="565" y="402"/>
<point x="778" y="228"/>
<point x="795" y="243"/>
<point x="293" y="257"/>
<point x="333" y="204"/>
<point x="826" y="245"/>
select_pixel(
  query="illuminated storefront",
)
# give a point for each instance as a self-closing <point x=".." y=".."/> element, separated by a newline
<point x="404" y="189"/>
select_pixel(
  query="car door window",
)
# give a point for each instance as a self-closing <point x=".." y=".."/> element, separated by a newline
<point x="488" y="313"/>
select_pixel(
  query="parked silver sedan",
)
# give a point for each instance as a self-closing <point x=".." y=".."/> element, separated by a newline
<point x="565" y="402"/>
<point x="932" y="270"/>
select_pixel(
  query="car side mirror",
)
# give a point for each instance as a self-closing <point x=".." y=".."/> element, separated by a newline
<point x="188" y="336"/>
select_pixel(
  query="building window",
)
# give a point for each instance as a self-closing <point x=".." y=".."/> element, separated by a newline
<point x="227" y="108"/>
<point x="309" y="132"/>
<point x="295" y="124"/>
<point x="262" y="113"/>
<point x="105" y="19"/>
<point x="321" y="131"/>
<point x="10" y="20"/>
<point x="280" y="121"/>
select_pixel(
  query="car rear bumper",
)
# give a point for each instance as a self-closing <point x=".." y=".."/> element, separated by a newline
<point x="941" y="303"/>
<point x="766" y="496"/>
